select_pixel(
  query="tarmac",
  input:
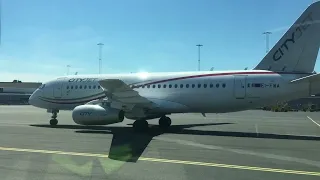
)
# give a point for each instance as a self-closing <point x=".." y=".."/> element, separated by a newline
<point x="244" y="145"/>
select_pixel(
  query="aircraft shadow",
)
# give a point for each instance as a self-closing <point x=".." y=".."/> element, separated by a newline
<point x="128" y="145"/>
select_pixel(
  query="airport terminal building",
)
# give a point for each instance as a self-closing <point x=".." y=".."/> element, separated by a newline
<point x="16" y="92"/>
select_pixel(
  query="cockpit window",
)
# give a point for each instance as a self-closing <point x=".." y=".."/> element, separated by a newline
<point x="42" y="86"/>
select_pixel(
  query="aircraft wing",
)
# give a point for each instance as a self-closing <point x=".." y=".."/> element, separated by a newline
<point x="118" y="91"/>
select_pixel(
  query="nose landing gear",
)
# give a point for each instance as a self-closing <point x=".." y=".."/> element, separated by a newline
<point x="54" y="120"/>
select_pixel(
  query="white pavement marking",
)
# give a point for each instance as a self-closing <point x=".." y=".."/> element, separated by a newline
<point x="195" y="163"/>
<point x="243" y="152"/>
<point x="313" y="121"/>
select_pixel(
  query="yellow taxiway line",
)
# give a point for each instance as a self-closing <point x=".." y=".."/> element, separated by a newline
<point x="251" y="168"/>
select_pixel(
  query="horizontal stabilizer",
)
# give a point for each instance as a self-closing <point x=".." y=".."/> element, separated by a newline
<point x="311" y="78"/>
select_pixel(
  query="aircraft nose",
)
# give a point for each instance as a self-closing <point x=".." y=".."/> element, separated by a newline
<point x="33" y="99"/>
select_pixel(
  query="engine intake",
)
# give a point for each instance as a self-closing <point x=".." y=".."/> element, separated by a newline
<point x="96" y="115"/>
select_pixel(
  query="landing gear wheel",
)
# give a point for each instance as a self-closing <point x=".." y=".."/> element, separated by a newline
<point x="53" y="122"/>
<point x="140" y="126"/>
<point x="164" y="122"/>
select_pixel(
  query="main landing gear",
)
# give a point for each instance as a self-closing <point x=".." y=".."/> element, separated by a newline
<point x="142" y="125"/>
<point x="54" y="120"/>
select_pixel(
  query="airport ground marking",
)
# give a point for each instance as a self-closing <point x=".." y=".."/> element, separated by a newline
<point x="257" y="130"/>
<point x="230" y="166"/>
<point x="313" y="121"/>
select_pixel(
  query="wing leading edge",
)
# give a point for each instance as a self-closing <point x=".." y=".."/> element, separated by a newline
<point x="119" y="92"/>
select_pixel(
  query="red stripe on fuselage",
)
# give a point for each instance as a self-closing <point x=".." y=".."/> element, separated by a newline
<point x="208" y="75"/>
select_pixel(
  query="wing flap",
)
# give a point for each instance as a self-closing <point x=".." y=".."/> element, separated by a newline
<point x="113" y="85"/>
<point x="119" y="91"/>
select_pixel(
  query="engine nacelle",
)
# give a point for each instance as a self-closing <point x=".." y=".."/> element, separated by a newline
<point x="96" y="115"/>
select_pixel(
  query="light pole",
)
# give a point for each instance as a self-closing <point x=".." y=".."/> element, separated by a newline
<point x="68" y="67"/>
<point x="100" y="56"/>
<point x="0" y="21"/>
<point x="199" y="45"/>
<point x="267" y="40"/>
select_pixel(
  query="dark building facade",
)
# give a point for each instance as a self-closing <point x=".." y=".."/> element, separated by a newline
<point x="16" y="92"/>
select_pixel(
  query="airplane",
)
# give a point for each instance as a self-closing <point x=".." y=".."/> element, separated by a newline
<point x="285" y="73"/>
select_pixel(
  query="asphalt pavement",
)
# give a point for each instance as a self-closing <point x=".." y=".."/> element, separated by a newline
<point x="244" y="145"/>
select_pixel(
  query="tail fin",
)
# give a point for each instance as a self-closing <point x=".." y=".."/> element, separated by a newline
<point x="297" y="50"/>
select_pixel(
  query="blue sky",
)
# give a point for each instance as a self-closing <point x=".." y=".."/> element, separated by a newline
<point x="40" y="38"/>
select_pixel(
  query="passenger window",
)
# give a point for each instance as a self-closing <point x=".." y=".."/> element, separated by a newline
<point x="142" y="86"/>
<point x="170" y="86"/>
<point x="99" y="87"/>
<point x="159" y="86"/>
<point x="187" y="86"/>
<point x="67" y="87"/>
<point x="85" y="86"/>
<point x="164" y="86"/>
<point x="248" y="85"/>
<point x="71" y="87"/>
<point x="80" y="87"/>
<point x="199" y="85"/>
<point x="154" y="86"/>
<point x="211" y="85"/>
<point x="94" y="87"/>
<point x="223" y="85"/>
<point x="76" y="87"/>
<point x="148" y="86"/>
<point x="193" y="85"/>
<point x="217" y="85"/>
<point x="89" y="87"/>
<point x="181" y="85"/>
<point x="176" y="85"/>
<point x="205" y="85"/>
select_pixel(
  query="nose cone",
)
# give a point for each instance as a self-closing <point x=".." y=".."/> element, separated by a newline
<point x="33" y="99"/>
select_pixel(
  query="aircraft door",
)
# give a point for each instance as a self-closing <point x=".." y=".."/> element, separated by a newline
<point x="240" y="87"/>
<point x="57" y="89"/>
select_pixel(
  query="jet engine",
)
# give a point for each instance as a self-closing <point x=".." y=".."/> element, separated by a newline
<point x="96" y="115"/>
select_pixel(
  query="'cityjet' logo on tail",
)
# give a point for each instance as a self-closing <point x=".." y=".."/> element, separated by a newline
<point x="298" y="32"/>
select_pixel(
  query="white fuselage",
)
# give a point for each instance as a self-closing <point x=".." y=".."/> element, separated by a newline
<point x="205" y="92"/>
